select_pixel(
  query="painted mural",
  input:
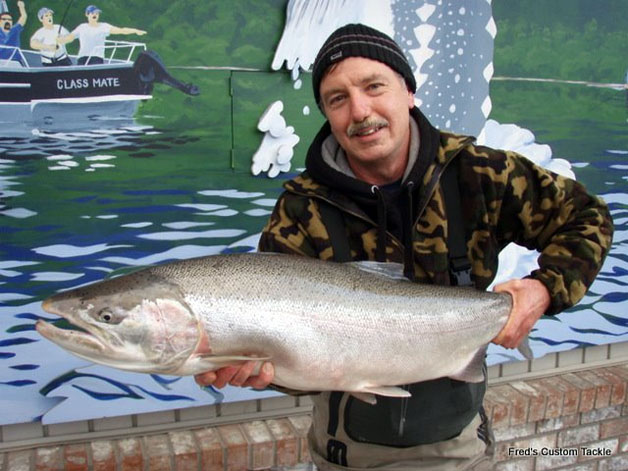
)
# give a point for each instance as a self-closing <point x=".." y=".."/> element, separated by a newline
<point x="189" y="160"/>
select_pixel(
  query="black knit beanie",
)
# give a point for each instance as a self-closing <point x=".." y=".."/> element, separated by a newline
<point x="358" y="40"/>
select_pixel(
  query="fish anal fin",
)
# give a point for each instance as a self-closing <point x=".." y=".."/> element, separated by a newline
<point x="368" y="393"/>
<point x="473" y="372"/>
<point x="203" y="363"/>
<point x="365" y="397"/>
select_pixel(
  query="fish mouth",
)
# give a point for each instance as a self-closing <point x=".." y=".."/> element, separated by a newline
<point x="74" y="335"/>
<point x="74" y="338"/>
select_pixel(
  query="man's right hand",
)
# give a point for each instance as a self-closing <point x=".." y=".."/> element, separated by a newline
<point x="241" y="376"/>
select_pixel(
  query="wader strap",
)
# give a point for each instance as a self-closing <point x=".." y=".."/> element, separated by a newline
<point x="459" y="265"/>
<point x="336" y="450"/>
<point x="335" y="225"/>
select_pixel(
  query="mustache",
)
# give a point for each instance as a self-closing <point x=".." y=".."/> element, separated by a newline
<point x="355" y="128"/>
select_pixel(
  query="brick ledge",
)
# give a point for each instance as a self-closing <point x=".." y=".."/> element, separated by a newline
<point x="582" y="410"/>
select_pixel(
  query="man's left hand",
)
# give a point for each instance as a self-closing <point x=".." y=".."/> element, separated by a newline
<point x="530" y="300"/>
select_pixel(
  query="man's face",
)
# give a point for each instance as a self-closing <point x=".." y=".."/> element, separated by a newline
<point x="47" y="19"/>
<point x="93" y="17"/>
<point x="367" y="105"/>
<point x="6" y="21"/>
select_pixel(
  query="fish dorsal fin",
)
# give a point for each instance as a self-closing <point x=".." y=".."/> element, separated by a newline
<point x="390" y="270"/>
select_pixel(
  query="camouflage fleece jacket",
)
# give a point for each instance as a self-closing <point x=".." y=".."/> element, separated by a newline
<point x="505" y="198"/>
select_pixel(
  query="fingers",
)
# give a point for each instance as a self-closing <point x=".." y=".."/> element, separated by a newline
<point x="264" y="378"/>
<point x="242" y="375"/>
<point x="530" y="301"/>
<point x="205" y="379"/>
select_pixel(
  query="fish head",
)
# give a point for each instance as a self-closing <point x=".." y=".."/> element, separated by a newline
<point x="137" y="322"/>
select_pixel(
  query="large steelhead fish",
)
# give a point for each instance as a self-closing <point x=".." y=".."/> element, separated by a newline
<point x="325" y="326"/>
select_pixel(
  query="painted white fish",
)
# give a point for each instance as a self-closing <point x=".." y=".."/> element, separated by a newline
<point x="325" y="326"/>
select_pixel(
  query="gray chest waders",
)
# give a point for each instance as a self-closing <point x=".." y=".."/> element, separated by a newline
<point x="446" y="405"/>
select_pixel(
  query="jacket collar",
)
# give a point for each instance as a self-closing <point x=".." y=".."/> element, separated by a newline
<point x="435" y="149"/>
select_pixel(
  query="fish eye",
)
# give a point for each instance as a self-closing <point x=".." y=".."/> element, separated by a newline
<point x="108" y="317"/>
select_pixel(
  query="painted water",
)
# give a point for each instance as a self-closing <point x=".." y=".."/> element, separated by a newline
<point x="174" y="183"/>
<point x="80" y="207"/>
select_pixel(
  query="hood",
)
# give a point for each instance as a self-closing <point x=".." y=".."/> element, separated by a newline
<point x="393" y="210"/>
<point x="335" y="173"/>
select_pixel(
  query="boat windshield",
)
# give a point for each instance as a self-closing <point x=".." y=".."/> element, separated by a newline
<point x="120" y="51"/>
<point x="11" y="56"/>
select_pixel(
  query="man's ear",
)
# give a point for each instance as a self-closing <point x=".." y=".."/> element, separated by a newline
<point x="411" y="103"/>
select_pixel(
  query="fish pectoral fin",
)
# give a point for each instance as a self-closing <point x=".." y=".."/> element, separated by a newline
<point x="197" y="364"/>
<point x="473" y="372"/>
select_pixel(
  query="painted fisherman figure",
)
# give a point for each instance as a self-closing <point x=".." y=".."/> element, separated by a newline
<point x="10" y="34"/>
<point x="92" y="36"/>
<point x="45" y="40"/>
<point x="381" y="183"/>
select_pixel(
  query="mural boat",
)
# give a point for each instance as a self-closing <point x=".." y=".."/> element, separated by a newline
<point x="69" y="96"/>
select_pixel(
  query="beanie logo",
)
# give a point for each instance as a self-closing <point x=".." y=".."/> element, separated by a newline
<point x="336" y="56"/>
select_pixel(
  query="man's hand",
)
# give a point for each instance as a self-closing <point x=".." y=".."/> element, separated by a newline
<point x="239" y="376"/>
<point x="530" y="300"/>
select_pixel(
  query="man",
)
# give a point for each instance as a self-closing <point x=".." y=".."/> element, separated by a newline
<point x="10" y="33"/>
<point x="45" y="40"/>
<point x="92" y="36"/>
<point x="378" y="180"/>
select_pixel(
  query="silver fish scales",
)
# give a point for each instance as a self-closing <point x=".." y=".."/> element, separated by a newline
<point x="354" y="327"/>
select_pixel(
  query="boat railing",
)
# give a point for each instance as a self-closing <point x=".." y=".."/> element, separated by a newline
<point x="119" y="51"/>
<point x="11" y="56"/>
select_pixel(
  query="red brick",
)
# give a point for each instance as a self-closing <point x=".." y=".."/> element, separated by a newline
<point x="75" y="457"/>
<point x="211" y="449"/>
<point x="614" y="427"/>
<point x="49" y="459"/>
<point x="578" y="435"/>
<point x="103" y="455"/>
<point x="301" y="424"/>
<point x="158" y="452"/>
<point x="186" y="456"/>
<point x="236" y="447"/>
<point x="618" y="385"/>
<point x="20" y="460"/>
<point x="603" y="388"/>
<point x="538" y="400"/>
<point x="501" y="407"/>
<point x="587" y="391"/>
<point x="571" y="395"/>
<point x="488" y="406"/>
<point x="130" y="450"/>
<point x="286" y="442"/>
<point x="620" y="370"/>
<point x="519" y="403"/>
<point x="554" y="404"/>
<point x="261" y="444"/>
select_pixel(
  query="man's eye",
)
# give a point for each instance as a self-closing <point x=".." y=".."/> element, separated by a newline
<point x="374" y="86"/>
<point x="335" y="100"/>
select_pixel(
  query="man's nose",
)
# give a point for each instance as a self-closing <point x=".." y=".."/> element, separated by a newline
<point x="360" y="107"/>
